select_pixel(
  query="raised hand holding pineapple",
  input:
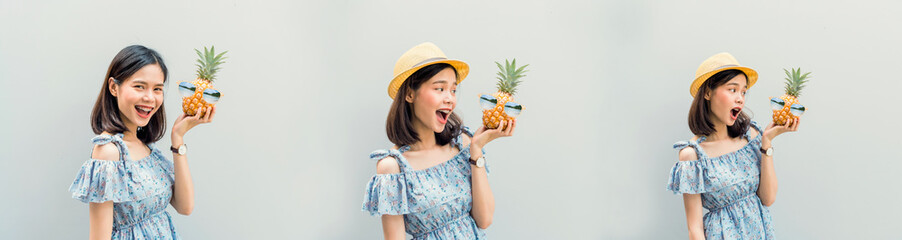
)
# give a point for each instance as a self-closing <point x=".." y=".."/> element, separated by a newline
<point x="499" y="106"/>
<point x="200" y="93"/>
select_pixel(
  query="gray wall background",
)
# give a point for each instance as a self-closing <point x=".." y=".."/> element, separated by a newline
<point x="304" y="103"/>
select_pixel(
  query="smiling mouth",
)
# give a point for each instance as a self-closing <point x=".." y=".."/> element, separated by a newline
<point x="143" y="111"/>
<point x="442" y="115"/>
<point x="734" y="113"/>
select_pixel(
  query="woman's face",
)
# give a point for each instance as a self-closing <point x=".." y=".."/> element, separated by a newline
<point x="727" y="100"/>
<point x="434" y="100"/>
<point x="139" y="96"/>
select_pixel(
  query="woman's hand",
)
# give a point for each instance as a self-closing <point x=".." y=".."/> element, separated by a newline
<point x="185" y="123"/>
<point x="484" y="136"/>
<point x="773" y="130"/>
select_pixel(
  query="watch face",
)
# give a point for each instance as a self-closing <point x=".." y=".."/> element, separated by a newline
<point x="480" y="162"/>
<point x="183" y="149"/>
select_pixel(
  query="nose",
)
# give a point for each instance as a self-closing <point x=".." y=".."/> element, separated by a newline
<point x="740" y="99"/>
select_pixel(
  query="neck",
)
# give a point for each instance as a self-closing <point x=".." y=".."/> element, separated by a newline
<point x="720" y="132"/>
<point x="427" y="138"/>
<point x="131" y="134"/>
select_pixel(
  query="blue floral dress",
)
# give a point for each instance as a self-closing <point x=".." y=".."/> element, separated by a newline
<point x="728" y="185"/>
<point x="435" y="202"/>
<point x="140" y="191"/>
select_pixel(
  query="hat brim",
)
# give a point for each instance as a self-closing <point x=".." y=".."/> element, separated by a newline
<point x="750" y="74"/>
<point x="462" y="68"/>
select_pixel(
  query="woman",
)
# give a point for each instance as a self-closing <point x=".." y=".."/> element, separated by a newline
<point x="727" y="168"/>
<point x="128" y="182"/>
<point x="432" y="183"/>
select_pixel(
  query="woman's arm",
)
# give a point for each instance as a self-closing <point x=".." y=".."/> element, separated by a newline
<point x="183" y="188"/>
<point x="767" y="187"/>
<point x="100" y="215"/>
<point x="101" y="219"/>
<point x="693" y="203"/>
<point x="483" y="199"/>
<point x="392" y="225"/>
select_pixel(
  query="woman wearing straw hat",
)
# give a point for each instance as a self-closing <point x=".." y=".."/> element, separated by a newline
<point x="727" y="168"/>
<point x="433" y="183"/>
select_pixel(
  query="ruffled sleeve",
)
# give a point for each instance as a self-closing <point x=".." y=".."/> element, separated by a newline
<point x="687" y="177"/>
<point x="113" y="180"/>
<point x="100" y="181"/>
<point x="387" y="193"/>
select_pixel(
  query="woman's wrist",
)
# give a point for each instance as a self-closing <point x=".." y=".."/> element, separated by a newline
<point x="177" y="140"/>
<point x="475" y="151"/>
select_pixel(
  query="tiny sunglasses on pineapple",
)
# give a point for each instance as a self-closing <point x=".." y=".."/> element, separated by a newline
<point x="510" y="108"/>
<point x="795" y="109"/>
<point x="187" y="89"/>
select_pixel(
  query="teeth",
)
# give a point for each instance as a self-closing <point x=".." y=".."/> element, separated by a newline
<point x="145" y="109"/>
<point x="445" y="111"/>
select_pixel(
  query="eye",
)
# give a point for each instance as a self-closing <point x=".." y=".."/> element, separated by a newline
<point x="777" y="103"/>
<point x="139" y="86"/>
<point x="186" y="89"/>
<point x="796" y="109"/>
<point x="487" y="101"/>
<point x="512" y="109"/>
<point x="211" y="96"/>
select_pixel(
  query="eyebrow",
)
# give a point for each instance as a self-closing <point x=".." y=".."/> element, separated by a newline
<point x="737" y="85"/>
<point x="144" y="82"/>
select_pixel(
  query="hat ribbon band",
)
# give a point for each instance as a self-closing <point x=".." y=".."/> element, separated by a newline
<point x="427" y="61"/>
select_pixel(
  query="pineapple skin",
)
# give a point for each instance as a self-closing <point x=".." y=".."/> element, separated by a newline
<point x="783" y="115"/>
<point x="492" y="118"/>
<point x="190" y="104"/>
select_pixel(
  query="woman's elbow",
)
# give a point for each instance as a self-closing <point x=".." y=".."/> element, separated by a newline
<point x="186" y="210"/>
<point x="767" y="202"/>
<point x="484" y="223"/>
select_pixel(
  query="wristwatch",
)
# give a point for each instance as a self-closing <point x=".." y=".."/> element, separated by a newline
<point x="182" y="150"/>
<point x="480" y="162"/>
<point x="769" y="151"/>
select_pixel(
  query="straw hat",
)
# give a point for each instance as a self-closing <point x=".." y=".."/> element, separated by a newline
<point x="718" y="63"/>
<point x="418" y="57"/>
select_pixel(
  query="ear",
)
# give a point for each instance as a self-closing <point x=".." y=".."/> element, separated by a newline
<point x="708" y="95"/>
<point x="410" y="96"/>
<point x="114" y="88"/>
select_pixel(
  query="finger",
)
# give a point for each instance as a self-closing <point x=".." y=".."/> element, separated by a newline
<point x="213" y="112"/>
<point x="795" y="124"/>
<point x="209" y="112"/>
<point x="510" y="128"/>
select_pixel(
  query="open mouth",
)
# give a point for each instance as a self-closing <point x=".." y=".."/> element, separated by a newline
<point x="442" y="115"/>
<point x="143" y="110"/>
<point x="734" y="113"/>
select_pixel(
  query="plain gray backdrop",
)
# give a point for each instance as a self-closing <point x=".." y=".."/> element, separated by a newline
<point x="606" y="96"/>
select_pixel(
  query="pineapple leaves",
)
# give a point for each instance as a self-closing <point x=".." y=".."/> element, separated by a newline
<point x="208" y="63"/>
<point x="795" y="81"/>
<point x="509" y="76"/>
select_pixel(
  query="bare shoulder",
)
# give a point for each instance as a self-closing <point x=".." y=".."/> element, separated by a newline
<point x="753" y="131"/>
<point x="107" y="152"/>
<point x="464" y="139"/>
<point x="388" y="165"/>
<point x="688" y="154"/>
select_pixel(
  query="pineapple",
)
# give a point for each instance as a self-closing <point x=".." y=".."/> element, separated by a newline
<point x="788" y="107"/>
<point x="200" y="92"/>
<point x="500" y="106"/>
